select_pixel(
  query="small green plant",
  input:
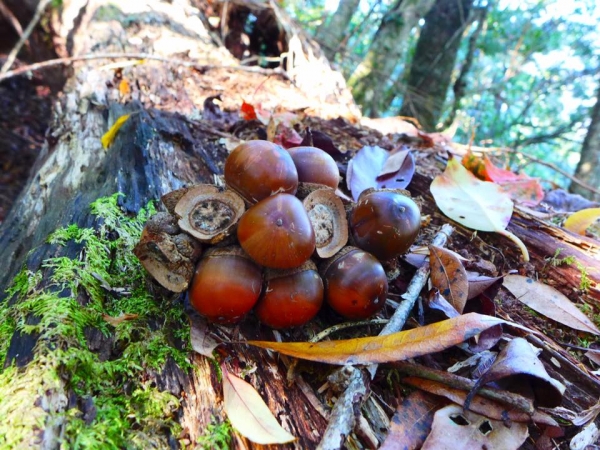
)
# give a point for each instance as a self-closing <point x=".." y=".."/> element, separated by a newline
<point x="216" y="436"/>
<point x="584" y="283"/>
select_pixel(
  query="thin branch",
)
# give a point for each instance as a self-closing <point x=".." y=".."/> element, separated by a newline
<point x="457" y="382"/>
<point x="15" y="51"/>
<point x="346" y="408"/>
<point x="8" y="15"/>
<point x="177" y="62"/>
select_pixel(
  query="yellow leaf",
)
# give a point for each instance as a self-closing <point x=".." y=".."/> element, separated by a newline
<point x="473" y="203"/>
<point x="580" y="221"/>
<point x="124" y="87"/>
<point x="109" y="137"/>
<point x="249" y="414"/>
<point x="392" y="347"/>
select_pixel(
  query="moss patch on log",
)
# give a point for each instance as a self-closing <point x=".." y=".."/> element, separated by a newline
<point x="71" y="393"/>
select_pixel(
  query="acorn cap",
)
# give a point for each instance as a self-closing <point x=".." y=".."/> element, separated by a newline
<point x="209" y="214"/>
<point x="170" y="199"/>
<point x="328" y="218"/>
<point x="170" y="259"/>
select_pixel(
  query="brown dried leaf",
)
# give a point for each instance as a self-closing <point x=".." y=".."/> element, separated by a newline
<point x="411" y="422"/>
<point x="454" y="428"/>
<point x="518" y="365"/>
<point x="249" y="414"/>
<point x="479" y="284"/>
<point x="549" y="302"/>
<point x="436" y="301"/>
<point x="449" y="276"/>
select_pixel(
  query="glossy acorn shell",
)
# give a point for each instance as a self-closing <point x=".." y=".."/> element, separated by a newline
<point x="315" y="166"/>
<point x="291" y="297"/>
<point x="385" y="223"/>
<point x="258" y="169"/>
<point x="277" y="233"/>
<point x="356" y="286"/>
<point x="226" y="285"/>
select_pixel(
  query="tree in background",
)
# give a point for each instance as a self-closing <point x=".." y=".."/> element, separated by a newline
<point x="371" y="78"/>
<point x="332" y="34"/>
<point x="588" y="168"/>
<point x="433" y="64"/>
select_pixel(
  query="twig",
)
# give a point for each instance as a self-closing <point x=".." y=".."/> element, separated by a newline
<point x="15" y="51"/>
<point x="462" y="383"/>
<point x="346" y="408"/>
<point x="8" y="15"/>
<point x="179" y="62"/>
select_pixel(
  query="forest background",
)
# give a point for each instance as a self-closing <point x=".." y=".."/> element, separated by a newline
<point x="518" y="75"/>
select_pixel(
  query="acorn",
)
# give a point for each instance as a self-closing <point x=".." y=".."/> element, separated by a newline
<point x="356" y="286"/>
<point x="258" y="169"/>
<point x="315" y="166"/>
<point x="277" y="233"/>
<point x="290" y="297"/>
<point x="385" y="223"/>
<point x="226" y="285"/>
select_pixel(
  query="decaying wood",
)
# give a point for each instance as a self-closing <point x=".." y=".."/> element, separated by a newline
<point x="165" y="145"/>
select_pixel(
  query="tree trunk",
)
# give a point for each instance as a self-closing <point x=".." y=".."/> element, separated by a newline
<point x="432" y="66"/>
<point x="588" y="168"/>
<point x="372" y="78"/>
<point x="333" y="34"/>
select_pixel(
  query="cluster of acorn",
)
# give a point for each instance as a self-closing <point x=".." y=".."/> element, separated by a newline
<point x="278" y="211"/>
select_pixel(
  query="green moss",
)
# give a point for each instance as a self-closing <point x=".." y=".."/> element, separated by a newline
<point x="216" y="436"/>
<point x="104" y="279"/>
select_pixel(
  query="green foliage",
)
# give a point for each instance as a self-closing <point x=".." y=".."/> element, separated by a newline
<point x="531" y="85"/>
<point x="118" y="406"/>
<point x="217" y="436"/>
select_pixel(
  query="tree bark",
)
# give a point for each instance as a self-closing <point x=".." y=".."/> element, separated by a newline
<point x="588" y="168"/>
<point x="333" y="34"/>
<point x="432" y="66"/>
<point x="373" y="77"/>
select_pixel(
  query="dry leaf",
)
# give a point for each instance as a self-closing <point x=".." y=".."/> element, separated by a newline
<point x="249" y="414"/>
<point x="581" y="220"/>
<point x="436" y="301"/>
<point x="393" y="347"/>
<point x="109" y="137"/>
<point x="365" y="167"/>
<point x="479" y="404"/>
<point x="124" y="87"/>
<point x="473" y="203"/>
<point x="201" y="341"/>
<point x="411" y="422"/>
<point x="454" y="429"/>
<point x="549" y="302"/>
<point x="449" y="276"/>
<point x="518" y="368"/>
<point x="393" y="163"/>
<point x="114" y="321"/>
<point x="478" y="284"/>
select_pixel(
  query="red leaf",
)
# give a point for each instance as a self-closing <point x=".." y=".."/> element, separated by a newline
<point x="248" y="112"/>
